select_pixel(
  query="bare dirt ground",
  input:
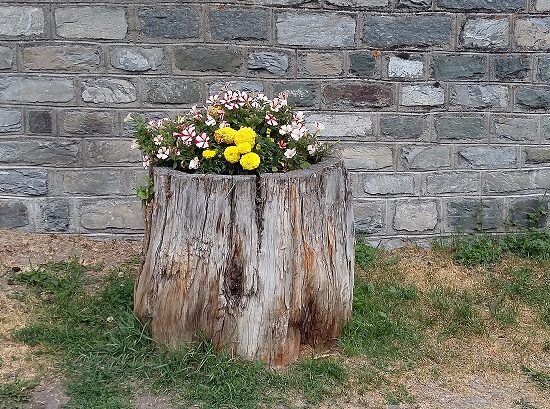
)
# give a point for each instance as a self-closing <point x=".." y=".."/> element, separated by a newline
<point x="474" y="373"/>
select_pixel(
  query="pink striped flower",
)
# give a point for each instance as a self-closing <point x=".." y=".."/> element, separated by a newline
<point x="202" y="141"/>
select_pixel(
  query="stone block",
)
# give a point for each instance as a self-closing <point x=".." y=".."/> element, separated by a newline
<point x="537" y="156"/>
<point x="460" y="127"/>
<point x="388" y="184"/>
<point x="415" y="216"/>
<point x="468" y="215"/>
<point x="13" y="214"/>
<point x="444" y="183"/>
<point x="300" y="93"/>
<point x="87" y="123"/>
<point x="364" y="64"/>
<point x="112" y="214"/>
<point x="41" y="121"/>
<point x="370" y="217"/>
<point x="62" y="58"/>
<point x="506" y="182"/>
<point x="458" y="66"/>
<point x="531" y="98"/>
<point x="7" y="57"/>
<point x="487" y="157"/>
<point x="137" y="59"/>
<point x="21" y="21"/>
<point x="170" y="22"/>
<point x="23" y="182"/>
<point x="357" y="95"/>
<point x="422" y="95"/>
<point x="344" y="125"/>
<point x="512" y="67"/>
<point x="474" y="96"/>
<point x="95" y="182"/>
<point x="208" y="58"/>
<point x="367" y="157"/>
<point x="507" y="129"/>
<point x="315" y="29"/>
<point x="241" y="85"/>
<point x="322" y="64"/>
<point x="111" y="152"/>
<point x="396" y="31"/>
<point x="425" y="157"/>
<point x="40" y="152"/>
<point x="54" y="215"/>
<point x="172" y="91"/>
<point x="483" y="5"/>
<point x="543" y="69"/>
<point x="531" y="212"/>
<point x="485" y="33"/>
<point x="266" y="61"/>
<point x="97" y="22"/>
<point x="27" y="89"/>
<point x="108" y="91"/>
<point x="532" y="33"/>
<point x="239" y="24"/>
<point x="404" y="127"/>
<point x="405" y="66"/>
<point x="10" y="120"/>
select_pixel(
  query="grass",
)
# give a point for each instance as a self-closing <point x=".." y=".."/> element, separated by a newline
<point x="105" y="356"/>
<point x="14" y="394"/>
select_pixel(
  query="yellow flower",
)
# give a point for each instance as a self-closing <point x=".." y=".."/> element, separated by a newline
<point x="250" y="161"/>
<point x="231" y="154"/>
<point x="245" y="134"/>
<point x="225" y="135"/>
<point x="244" y="147"/>
<point x="208" y="153"/>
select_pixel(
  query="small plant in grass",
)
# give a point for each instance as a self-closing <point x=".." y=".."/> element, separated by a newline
<point x="477" y="250"/>
<point x="14" y="394"/>
<point x="456" y="309"/>
<point x="541" y="379"/>
<point x="365" y="255"/>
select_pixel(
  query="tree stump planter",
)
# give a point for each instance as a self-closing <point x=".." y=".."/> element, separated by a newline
<point x="258" y="264"/>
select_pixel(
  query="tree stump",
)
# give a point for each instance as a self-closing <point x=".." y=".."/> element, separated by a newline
<point x="258" y="264"/>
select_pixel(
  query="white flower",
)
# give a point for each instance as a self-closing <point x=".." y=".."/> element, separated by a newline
<point x="270" y="119"/>
<point x="224" y="124"/>
<point x="146" y="162"/>
<point x="297" y="133"/>
<point x="213" y="100"/>
<point x="194" y="163"/>
<point x="134" y="145"/>
<point x="158" y="139"/>
<point x="163" y="153"/>
<point x="285" y="129"/>
<point x="128" y="118"/>
<point x="318" y="127"/>
<point x="298" y="116"/>
<point x="210" y="121"/>
<point x="110" y="319"/>
<point x="312" y="149"/>
<point x="290" y="153"/>
<point x="201" y="140"/>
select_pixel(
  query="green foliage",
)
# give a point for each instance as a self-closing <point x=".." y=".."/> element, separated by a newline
<point x="457" y="312"/>
<point x="146" y="192"/>
<point x="398" y="395"/>
<point x="477" y="250"/>
<point x="539" y="378"/>
<point x="365" y="255"/>
<point x="13" y="394"/>
<point x="531" y="244"/>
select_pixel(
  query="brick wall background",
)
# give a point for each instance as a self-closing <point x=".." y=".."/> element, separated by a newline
<point x="441" y="106"/>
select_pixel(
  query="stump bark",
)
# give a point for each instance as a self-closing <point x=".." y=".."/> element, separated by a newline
<point x="258" y="264"/>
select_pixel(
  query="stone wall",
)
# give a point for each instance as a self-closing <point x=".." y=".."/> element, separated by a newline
<point x="441" y="106"/>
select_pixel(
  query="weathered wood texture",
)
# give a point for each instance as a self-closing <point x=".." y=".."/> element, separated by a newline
<point x="260" y="265"/>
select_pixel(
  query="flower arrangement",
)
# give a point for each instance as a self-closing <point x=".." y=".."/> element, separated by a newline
<point x="235" y="133"/>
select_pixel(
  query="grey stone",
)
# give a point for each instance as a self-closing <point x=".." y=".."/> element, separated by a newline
<point x="239" y="24"/>
<point x="458" y="67"/>
<point x="21" y="21"/>
<point x="352" y="125"/>
<point x="96" y="182"/>
<point x="388" y="184"/>
<point x="463" y="127"/>
<point x="426" y="157"/>
<point x="108" y="91"/>
<point x="442" y="183"/>
<point x="414" y="4"/>
<point x="533" y="33"/>
<point x="24" y="182"/>
<point x="542" y="5"/>
<point x="405" y="66"/>
<point x="40" y="121"/>
<point x="545" y="128"/>
<point x="489" y="5"/>
<point x="422" y="31"/>
<point x="422" y="95"/>
<point x="479" y="96"/>
<point x="531" y="98"/>
<point x="529" y="212"/>
<point x="415" y="215"/>
<point x="87" y="123"/>
<point x="323" y="64"/>
<point x="363" y="64"/>
<point x="300" y="93"/>
<point x="490" y="157"/>
<point x="248" y="86"/>
<point x="272" y="62"/>
<point x="178" y="23"/>
<point x="35" y="89"/>
<point x="362" y="156"/>
<point x="98" y="22"/>
<point x="61" y="58"/>
<point x="205" y="58"/>
<point x="357" y="95"/>
<point x="359" y="3"/>
<point x="370" y="217"/>
<point x="10" y="120"/>
<point x="40" y="152"/>
<point x="543" y="71"/>
<point x="137" y="59"/>
<point x="129" y="128"/>
<point x="536" y="156"/>
<point x="13" y="214"/>
<point x="7" y="57"/>
<point x="512" y="67"/>
<point x="54" y="217"/>
<point x="111" y="214"/>
<point x="111" y="152"/>
<point x="508" y="129"/>
<point x="485" y="33"/>
<point x="474" y="214"/>
<point x="171" y="91"/>
<point x="404" y="127"/>
<point x="509" y="182"/>
<point x="315" y="29"/>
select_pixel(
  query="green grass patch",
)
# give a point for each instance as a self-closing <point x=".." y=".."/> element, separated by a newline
<point x="539" y="378"/>
<point x="477" y="250"/>
<point x="14" y="394"/>
<point x="456" y="311"/>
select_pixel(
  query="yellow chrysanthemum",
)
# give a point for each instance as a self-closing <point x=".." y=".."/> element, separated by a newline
<point x="225" y="135"/>
<point x="231" y="154"/>
<point x="250" y="161"/>
<point x="244" y="147"/>
<point x="208" y="153"/>
<point x="245" y="134"/>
